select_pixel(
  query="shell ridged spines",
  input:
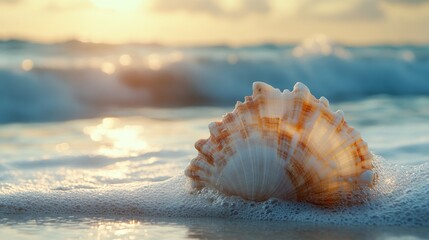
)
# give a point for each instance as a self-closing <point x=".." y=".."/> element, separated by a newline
<point x="268" y="99"/>
<point x="288" y="145"/>
<point x="324" y="101"/>
<point x="261" y="88"/>
<point x="301" y="88"/>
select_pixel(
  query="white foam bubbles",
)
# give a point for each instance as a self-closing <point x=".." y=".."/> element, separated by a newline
<point x="400" y="199"/>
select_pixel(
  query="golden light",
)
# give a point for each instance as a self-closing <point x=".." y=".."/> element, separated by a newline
<point x="108" y="68"/>
<point x="318" y="44"/>
<point x="389" y="185"/>
<point x="117" y="140"/>
<point x="115" y="230"/>
<point x="175" y="56"/>
<point x="154" y="62"/>
<point x="125" y="60"/>
<point x="27" y="65"/>
<point x="117" y="5"/>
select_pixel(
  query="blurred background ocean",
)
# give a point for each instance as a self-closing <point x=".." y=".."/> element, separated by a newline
<point x="73" y="79"/>
<point x="95" y="131"/>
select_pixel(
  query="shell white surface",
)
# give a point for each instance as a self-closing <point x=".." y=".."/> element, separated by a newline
<point x="286" y="145"/>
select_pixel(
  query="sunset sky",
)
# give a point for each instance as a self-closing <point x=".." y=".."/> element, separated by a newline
<point x="216" y="21"/>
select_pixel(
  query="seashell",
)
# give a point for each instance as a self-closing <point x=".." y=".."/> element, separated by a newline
<point x="286" y="145"/>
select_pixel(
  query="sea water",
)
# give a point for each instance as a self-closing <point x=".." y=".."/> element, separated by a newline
<point x="94" y="138"/>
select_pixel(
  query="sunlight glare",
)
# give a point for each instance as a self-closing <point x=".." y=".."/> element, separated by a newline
<point x="154" y="62"/>
<point x="125" y="60"/>
<point x="27" y="65"/>
<point x="108" y="68"/>
<point x="123" y="6"/>
<point x="117" y="140"/>
<point x="115" y="230"/>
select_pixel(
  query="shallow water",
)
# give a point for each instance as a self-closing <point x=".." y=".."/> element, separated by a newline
<point x="104" y="227"/>
<point x="122" y="176"/>
<point x="85" y="150"/>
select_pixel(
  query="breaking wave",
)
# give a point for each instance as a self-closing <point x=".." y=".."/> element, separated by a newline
<point x="86" y="83"/>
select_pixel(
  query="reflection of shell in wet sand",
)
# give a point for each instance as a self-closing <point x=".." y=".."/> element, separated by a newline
<point x="286" y="145"/>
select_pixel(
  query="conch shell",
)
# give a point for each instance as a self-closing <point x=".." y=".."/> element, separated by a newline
<point x="286" y="145"/>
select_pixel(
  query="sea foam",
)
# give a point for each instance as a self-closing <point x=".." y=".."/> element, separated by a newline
<point x="400" y="199"/>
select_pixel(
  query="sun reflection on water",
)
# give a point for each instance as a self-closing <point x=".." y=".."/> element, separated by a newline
<point x="388" y="185"/>
<point x="108" y="68"/>
<point x="125" y="59"/>
<point x="116" y="230"/>
<point x="117" y="140"/>
<point x="154" y="62"/>
<point x="27" y="65"/>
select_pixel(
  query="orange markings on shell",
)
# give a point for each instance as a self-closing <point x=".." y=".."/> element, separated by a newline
<point x="299" y="150"/>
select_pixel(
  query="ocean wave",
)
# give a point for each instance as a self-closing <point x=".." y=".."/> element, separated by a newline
<point x="24" y="97"/>
<point x="82" y="85"/>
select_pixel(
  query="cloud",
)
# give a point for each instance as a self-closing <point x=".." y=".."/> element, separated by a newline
<point x="361" y="10"/>
<point x="408" y="2"/>
<point x="9" y="1"/>
<point x="204" y="6"/>
<point x="345" y="10"/>
<point x="213" y="7"/>
<point x="350" y="10"/>
<point x="256" y="6"/>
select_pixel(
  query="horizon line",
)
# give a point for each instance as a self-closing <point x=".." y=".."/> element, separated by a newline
<point x="209" y="44"/>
